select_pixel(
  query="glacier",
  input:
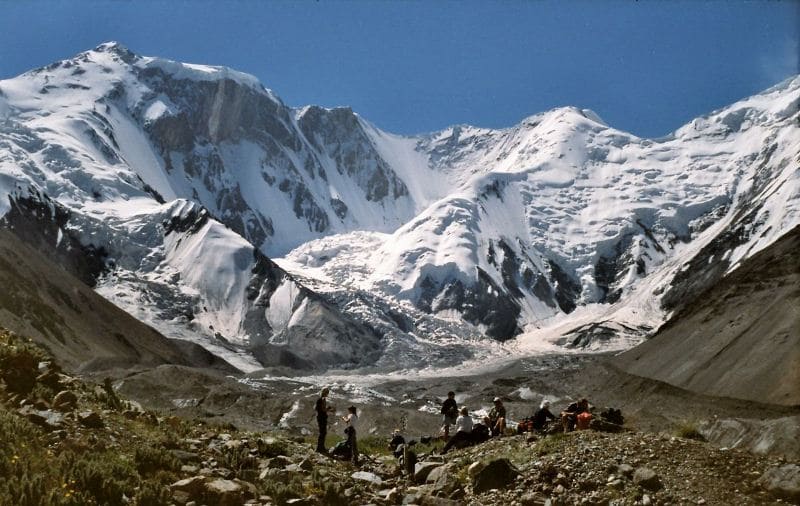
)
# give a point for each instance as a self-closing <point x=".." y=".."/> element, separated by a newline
<point x="309" y="238"/>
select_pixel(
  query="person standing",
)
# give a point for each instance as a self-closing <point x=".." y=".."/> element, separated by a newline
<point x="449" y="413"/>
<point x="352" y="422"/>
<point x="322" y="409"/>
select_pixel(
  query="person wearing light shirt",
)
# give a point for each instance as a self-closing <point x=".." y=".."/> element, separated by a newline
<point x="463" y="430"/>
<point x="351" y="420"/>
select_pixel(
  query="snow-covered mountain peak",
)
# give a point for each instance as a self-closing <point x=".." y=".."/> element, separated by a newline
<point x="188" y="175"/>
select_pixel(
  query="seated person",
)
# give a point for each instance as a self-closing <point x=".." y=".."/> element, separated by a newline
<point x="463" y="433"/>
<point x="480" y="431"/>
<point x="542" y="415"/>
<point x="570" y="415"/>
<point x="497" y="418"/>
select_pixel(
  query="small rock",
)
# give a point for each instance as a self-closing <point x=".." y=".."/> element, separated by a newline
<point x="532" y="499"/>
<point x="91" y="420"/>
<point x="646" y="501"/>
<point x="181" y="497"/>
<point x="279" y="462"/>
<point x="48" y="420"/>
<point x="625" y="470"/>
<point x="185" y="456"/>
<point x="616" y="484"/>
<point x="647" y="479"/>
<point x="306" y="465"/>
<point x="367" y="476"/>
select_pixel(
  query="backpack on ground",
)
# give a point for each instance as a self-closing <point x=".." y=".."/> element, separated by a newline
<point x="342" y="450"/>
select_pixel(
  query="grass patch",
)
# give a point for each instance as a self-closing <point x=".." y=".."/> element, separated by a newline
<point x="550" y="444"/>
<point x="689" y="430"/>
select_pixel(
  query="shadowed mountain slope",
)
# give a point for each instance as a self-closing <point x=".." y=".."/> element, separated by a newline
<point x="740" y="338"/>
<point x="80" y="328"/>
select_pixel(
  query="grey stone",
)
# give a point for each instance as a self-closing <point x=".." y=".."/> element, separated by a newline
<point x="185" y="456"/>
<point x="193" y="486"/>
<point x="368" y="477"/>
<point x="782" y="482"/>
<point x="422" y="469"/>
<point x="647" y="479"/>
<point x="625" y="470"/>
<point x="497" y="474"/>
<point x="224" y="492"/>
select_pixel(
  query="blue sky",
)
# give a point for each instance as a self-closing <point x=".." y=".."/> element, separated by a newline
<point x="646" y="67"/>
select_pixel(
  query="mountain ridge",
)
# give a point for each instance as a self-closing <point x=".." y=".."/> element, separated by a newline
<point x="504" y="230"/>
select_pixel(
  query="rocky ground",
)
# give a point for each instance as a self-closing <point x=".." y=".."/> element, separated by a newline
<point x="412" y="403"/>
<point x="66" y="441"/>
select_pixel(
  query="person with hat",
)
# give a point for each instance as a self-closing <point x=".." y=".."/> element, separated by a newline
<point x="497" y="417"/>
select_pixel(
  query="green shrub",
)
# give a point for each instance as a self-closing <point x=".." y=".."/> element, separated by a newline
<point x="270" y="447"/>
<point x="152" y="494"/>
<point x="101" y="477"/>
<point x="374" y="445"/>
<point x="238" y="458"/>
<point x="149" y="460"/>
<point x="19" y="362"/>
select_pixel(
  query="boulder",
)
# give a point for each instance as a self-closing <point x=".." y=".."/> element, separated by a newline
<point x="474" y="468"/>
<point x="65" y="401"/>
<point x="423" y="469"/>
<point x="647" y="479"/>
<point x="498" y="473"/>
<point x="224" y="492"/>
<point x="193" y="486"/>
<point x="782" y="482"/>
<point x="47" y="419"/>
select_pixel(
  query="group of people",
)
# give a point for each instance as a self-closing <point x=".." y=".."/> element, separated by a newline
<point x="575" y="415"/>
<point x="351" y="421"/>
<point x="493" y="424"/>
